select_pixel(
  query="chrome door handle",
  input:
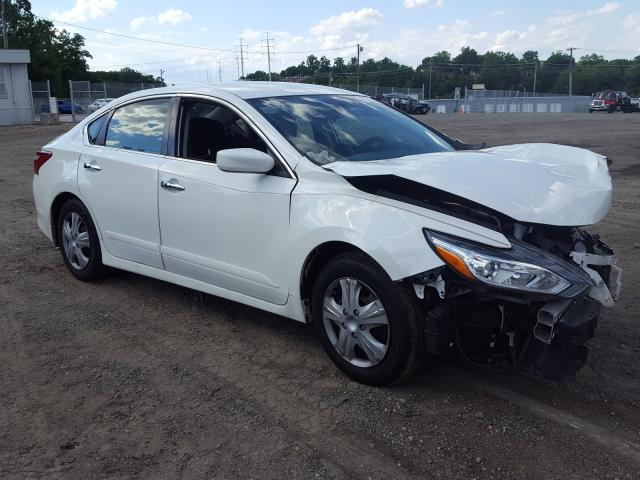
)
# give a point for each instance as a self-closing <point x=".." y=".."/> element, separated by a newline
<point x="92" y="166"/>
<point x="171" y="186"/>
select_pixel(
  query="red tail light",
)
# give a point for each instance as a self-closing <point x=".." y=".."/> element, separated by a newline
<point x="41" y="158"/>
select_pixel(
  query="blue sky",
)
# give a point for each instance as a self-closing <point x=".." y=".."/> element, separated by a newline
<point x="405" y="30"/>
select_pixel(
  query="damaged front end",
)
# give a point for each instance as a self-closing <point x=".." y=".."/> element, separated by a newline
<point x="536" y="303"/>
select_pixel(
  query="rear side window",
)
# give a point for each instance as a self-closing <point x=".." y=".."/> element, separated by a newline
<point x="139" y="126"/>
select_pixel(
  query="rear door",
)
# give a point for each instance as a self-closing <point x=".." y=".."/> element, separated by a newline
<point x="229" y="230"/>
<point x="118" y="178"/>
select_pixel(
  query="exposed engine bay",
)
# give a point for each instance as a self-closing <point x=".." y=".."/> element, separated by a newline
<point x="542" y="331"/>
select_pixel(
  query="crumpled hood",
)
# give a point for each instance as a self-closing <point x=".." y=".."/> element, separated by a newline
<point x="532" y="183"/>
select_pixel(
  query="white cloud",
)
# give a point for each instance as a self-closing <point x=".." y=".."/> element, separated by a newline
<point x="422" y="3"/>
<point x="604" y="9"/>
<point x="139" y="21"/>
<point x="85" y="10"/>
<point x="173" y="17"/>
<point x="498" y="13"/>
<point x="631" y="22"/>
<point x="347" y="21"/>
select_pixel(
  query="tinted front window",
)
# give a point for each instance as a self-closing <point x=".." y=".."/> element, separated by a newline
<point x="329" y="128"/>
<point x="139" y="126"/>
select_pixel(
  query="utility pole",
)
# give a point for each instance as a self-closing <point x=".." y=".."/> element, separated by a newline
<point x="535" y="77"/>
<point x="429" y="81"/>
<point x="570" y="50"/>
<point x="358" y="69"/>
<point x="5" y="36"/>
<point x="269" y="46"/>
<point x="238" y="65"/>
<point x="162" y="75"/>
<point x="241" y="58"/>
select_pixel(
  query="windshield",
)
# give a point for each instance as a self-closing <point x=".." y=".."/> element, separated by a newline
<point x="330" y="128"/>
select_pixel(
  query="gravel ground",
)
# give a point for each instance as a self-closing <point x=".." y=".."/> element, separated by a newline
<point x="135" y="378"/>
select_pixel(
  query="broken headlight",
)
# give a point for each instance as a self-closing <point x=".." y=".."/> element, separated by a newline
<point x="514" y="268"/>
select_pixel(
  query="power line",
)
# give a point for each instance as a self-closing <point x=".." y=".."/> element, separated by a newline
<point x="139" y="38"/>
<point x="173" y="44"/>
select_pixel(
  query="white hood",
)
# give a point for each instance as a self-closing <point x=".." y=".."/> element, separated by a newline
<point x="532" y="183"/>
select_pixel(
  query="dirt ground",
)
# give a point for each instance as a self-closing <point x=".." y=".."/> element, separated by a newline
<point x="135" y="378"/>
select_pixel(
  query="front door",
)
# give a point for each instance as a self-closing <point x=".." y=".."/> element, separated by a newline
<point x="226" y="229"/>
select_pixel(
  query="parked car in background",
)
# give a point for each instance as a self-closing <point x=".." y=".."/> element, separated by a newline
<point x="634" y="104"/>
<point x="406" y="103"/>
<point x="99" y="103"/>
<point x="611" y="101"/>
<point x="64" y="106"/>
<point x="392" y="239"/>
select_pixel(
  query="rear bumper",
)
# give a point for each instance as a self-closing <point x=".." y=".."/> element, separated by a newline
<point x="43" y="215"/>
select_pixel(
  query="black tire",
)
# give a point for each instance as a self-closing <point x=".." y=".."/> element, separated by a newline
<point x="590" y="110"/>
<point x="94" y="269"/>
<point x="404" y="350"/>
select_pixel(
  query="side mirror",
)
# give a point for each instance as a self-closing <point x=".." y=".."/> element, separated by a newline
<point x="244" y="160"/>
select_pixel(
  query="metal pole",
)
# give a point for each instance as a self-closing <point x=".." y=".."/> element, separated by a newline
<point x="358" y="71"/>
<point x="429" y="81"/>
<point x="48" y="90"/>
<point x="241" y="68"/>
<point x="571" y="49"/>
<point x="33" y="110"/>
<point x="5" y="35"/>
<point x="535" y="77"/>
<point x="423" y="91"/>
<point x="269" y="55"/>
<point x="104" y="88"/>
<point x="73" y="110"/>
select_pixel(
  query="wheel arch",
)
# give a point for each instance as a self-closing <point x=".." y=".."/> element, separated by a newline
<point x="56" y="206"/>
<point x="314" y="262"/>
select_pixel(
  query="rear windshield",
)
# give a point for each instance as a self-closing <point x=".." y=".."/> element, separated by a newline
<point x="329" y="128"/>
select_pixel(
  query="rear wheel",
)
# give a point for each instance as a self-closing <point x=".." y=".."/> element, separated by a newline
<point x="79" y="242"/>
<point x="366" y="323"/>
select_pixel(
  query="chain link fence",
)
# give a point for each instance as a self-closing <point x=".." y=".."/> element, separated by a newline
<point x="488" y="101"/>
<point x="521" y="101"/>
<point x="84" y="95"/>
<point x="376" y="90"/>
<point x="40" y="94"/>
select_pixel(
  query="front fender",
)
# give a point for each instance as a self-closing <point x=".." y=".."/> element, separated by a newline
<point x="391" y="236"/>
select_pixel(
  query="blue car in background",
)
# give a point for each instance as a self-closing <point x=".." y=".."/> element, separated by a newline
<point x="64" y="106"/>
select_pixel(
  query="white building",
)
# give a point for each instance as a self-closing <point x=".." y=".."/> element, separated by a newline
<point x="15" y="95"/>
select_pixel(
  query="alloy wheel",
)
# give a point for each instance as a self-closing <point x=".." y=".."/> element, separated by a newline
<point x="76" y="241"/>
<point x="356" y="322"/>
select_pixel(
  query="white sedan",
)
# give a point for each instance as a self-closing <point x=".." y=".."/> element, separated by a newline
<point x="99" y="103"/>
<point x="325" y="206"/>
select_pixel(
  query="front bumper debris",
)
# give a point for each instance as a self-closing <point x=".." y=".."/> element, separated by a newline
<point x="604" y="292"/>
<point x="562" y="357"/>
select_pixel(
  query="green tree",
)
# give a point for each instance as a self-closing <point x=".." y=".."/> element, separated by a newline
<point x="57" y="56"/>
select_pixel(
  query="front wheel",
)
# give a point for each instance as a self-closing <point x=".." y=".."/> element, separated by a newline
<point x="367" y="324"/>
<point x="79" y="242"/>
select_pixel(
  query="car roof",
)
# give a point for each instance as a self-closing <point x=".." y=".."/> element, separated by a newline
<point x="247" y="90"/>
